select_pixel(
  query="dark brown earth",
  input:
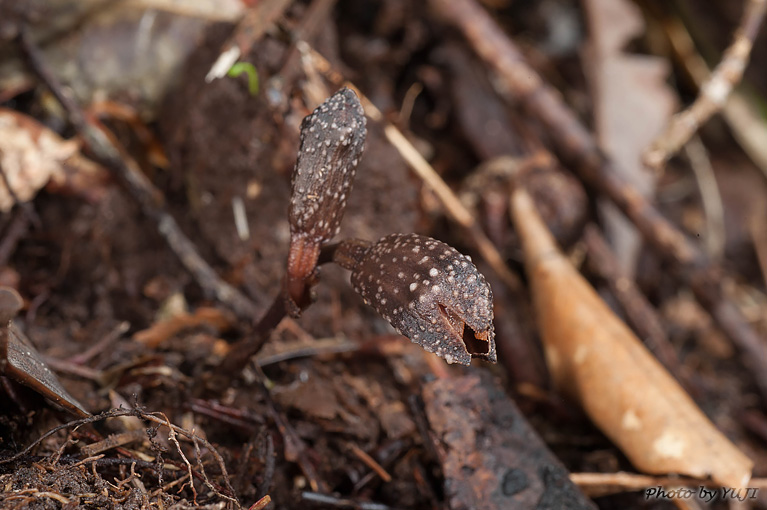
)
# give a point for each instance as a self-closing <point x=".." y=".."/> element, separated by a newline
<point x="338" y="384"/>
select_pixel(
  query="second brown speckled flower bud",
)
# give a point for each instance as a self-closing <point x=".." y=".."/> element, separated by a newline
<point x="332" y="140"/>
<point x="430" y="293"/>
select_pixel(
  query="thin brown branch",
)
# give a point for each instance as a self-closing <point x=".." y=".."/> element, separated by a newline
<point x="107" y="151"/>
<point x="578" y="147"/>
<point x="295" y="448"/>
<point x="17" y="227"/>
<point x="172" y="438"/>
<point x="744" y="120"/>
<point x="163" y="420"/>
<point x="640" y="314"/>
<point x="241" y="352"/>
<point x="711" y="198"/>
<point x="321" y="347"/>
<point x="714" y="92"/>
<point x="100" y="346"/>
<point x="370" y="461"/>
<point x="113" y="441"/>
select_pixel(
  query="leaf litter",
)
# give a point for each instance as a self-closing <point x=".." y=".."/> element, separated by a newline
<point x="338" y="419"/>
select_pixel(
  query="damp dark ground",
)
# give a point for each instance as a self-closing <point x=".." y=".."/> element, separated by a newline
<point x="343" y="413"/>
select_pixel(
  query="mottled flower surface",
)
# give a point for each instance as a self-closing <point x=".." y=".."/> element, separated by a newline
<point x="332" y="140"/>
<point x="430" y="293"/>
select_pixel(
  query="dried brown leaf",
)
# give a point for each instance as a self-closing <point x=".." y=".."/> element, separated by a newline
<point x="32" y="156"/>
<point x="596" y="358"/>
<point x="20" y="361"/>
<point x="161" y="331"/>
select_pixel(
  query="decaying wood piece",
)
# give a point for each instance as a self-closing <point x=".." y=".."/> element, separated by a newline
<point x="492" y="458"/>
<point x="595" y="357"/>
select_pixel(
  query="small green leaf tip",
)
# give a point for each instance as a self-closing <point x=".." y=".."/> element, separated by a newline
<point x="246" y="67"/>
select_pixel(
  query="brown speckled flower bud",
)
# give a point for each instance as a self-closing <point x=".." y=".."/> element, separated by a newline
<point x="332" y="140"/>
<point x="430" y="293"/>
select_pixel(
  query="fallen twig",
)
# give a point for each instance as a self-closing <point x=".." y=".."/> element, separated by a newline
<point x="233" y="418"/>
<point x="295" y="448"/>
<point x="336" y="502"/>
<point x="108" y="152"/>
<point x="710" y="197"/>
<point x="113" y="441"/>
<point x="321" y="347"/>
<point x="641" y="315"/>
<point x="100" y="346"/>
<point x="17" y="227"/>
<point x="577" y="146"/>
<point x="746" y="124"/>
<point x="172" y="438"/>
<point x="370" y="461"/>
<point x="714" y="92"/>
<point x="316" y="16"/>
